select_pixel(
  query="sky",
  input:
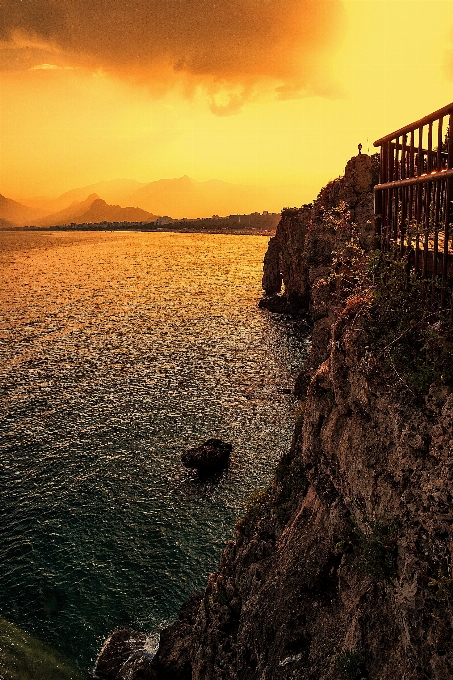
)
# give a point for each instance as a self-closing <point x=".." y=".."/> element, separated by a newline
<point x="270" y="93"/>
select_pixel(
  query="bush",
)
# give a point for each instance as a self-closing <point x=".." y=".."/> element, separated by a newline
<point x="257" y="507"/>
<point x="443" y="584"/>
<point x="351" y="665"/>
<point x="412" y="336"/>
<point x="374" y="551"/>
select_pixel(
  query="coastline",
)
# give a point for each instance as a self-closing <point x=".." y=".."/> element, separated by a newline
<point x="342" y="567"/>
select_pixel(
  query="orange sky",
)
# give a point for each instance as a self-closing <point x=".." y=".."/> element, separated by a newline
<point x="259" y="92"/>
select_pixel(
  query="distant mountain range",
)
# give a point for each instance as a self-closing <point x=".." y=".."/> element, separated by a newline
<point x="115" y="191"/>
<point x="103" y="201"/>
<point x="185" y="197"/>
<point x="94" y="209"/>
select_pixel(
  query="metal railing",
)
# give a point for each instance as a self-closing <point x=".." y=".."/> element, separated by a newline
<point x="412" y="202"/>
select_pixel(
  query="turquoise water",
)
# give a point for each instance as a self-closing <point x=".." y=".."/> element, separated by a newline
<point x="119" y="351"/>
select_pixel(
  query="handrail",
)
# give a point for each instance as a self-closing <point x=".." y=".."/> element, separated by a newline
<point x="418" y="123"/>
<point x="431" y="177"/>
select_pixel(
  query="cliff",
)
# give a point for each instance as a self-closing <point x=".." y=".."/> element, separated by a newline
<point x="342" y="567"/>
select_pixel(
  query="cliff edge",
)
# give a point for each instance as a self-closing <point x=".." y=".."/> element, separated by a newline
<point x="341" y="568"/>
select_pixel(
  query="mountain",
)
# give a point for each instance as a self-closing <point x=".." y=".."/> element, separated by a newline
<point x="115" y="191"/>
<point x="100" y="211"/>
<point x="68" y="215"/>
<point x="178" y="197"/>
<point x="185" y="197"/>
<point x="94" y="209"/>
<point x="6" y="224"/>
<point x="17" y="213"/>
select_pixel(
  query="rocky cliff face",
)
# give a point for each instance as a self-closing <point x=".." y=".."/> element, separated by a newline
<point x="342" y="567"/>
<point x="302" y="250"/>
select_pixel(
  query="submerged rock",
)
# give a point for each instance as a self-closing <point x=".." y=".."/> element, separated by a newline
<point x="278" y="304"/>
<point x="209" y="457"/>
<point x="126" y="656"/>
<point x="123" y="656"/>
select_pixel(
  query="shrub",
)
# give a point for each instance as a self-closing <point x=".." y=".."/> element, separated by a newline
<point x="350" y="665"/>
<point x="411" y="335"/>
<point x="257" y="506"/>
<point x="443" y="585"/>
<point x="374" y="550"/>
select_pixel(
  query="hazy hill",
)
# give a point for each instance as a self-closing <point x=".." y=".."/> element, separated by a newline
<point x="17" y="213"/>
<point x="100" y="211"/>
<point x="178" y="197"/>
<point x="185" y="197"/>
<point x="114" y="191"/>
<point x="6" y="224"/>
<point x="68" y="214"/>
<point x="94" y="209"/>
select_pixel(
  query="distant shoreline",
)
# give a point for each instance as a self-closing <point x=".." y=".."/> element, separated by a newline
<point x="257" y="224"/>
<point x="167" y="228"/>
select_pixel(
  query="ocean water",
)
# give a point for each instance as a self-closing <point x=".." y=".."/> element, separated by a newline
<point x="117" y="352"/>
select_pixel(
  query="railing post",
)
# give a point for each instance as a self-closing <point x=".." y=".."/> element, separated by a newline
<point x="447" y="216"/>
<point x="450" y="142"/>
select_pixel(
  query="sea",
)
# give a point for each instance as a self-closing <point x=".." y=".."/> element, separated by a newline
<point x="118" y="351"/>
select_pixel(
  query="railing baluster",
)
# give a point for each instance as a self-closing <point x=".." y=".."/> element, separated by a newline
<point x="418" y="218"/>
<point x="450" y="142"/>
<point x="403" y="157"/>
<point x="440" y="141"/>
<point x="435" y="191"/>
<point x="446" y="192"/>
<point x="389" y="217"/>
<point x="403" y="220"/>
<point x="396" y="174"/>
<point x="391" y="162"/>
<point x="426" y="232"/>
<point x="420" y="152"/>
<point x="411" y="155"/>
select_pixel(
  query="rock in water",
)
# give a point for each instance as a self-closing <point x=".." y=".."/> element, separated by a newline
<point x="209" y="457"/>
<point x="124" y="656"/>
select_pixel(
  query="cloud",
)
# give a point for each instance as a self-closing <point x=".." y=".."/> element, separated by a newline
<point x="51" y="67"/>
<point x="229" y="46"/>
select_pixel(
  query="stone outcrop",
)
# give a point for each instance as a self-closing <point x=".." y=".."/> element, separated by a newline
<point x="125" y="655"/>
<point x="208" y="458"/>
<point x="342" y="568"/>
<point x="301" y="252"/>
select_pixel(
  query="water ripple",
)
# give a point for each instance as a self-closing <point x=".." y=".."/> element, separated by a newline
<point x="117" y="351"/>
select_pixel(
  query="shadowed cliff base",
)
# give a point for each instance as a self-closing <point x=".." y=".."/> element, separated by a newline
<point x="342" y="567"/>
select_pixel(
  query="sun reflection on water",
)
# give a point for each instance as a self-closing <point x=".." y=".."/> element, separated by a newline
<point x="117" y="352"/>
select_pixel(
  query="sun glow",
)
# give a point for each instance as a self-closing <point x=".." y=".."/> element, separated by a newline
<point x="69" y="121"/>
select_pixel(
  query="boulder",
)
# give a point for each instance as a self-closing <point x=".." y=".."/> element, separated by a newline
<point x="126" y="654"/>
<point x="123" y="656"/>
<point x="209" y="457"/>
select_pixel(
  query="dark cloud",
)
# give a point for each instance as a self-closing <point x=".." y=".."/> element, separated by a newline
<point x="221" y="44"/>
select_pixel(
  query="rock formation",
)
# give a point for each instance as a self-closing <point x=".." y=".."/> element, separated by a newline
<point x="342" y="568"/>
<point x="209" y="457"/>
<point x="302" y="249"/>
